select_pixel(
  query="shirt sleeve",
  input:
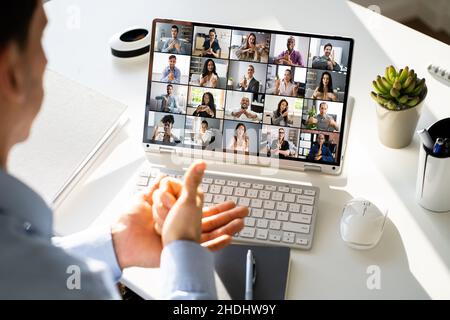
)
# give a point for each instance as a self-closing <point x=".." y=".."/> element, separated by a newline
<point x="165" y="75"/>
<point x="188" y="272"/>
<point x="94" y="244"/>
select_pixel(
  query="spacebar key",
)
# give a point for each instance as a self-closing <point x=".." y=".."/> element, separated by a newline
<point x="295" y="227"/>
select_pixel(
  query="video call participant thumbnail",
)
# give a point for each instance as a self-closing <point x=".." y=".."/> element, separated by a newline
<point x="250" y="50"/>
<point x="207" y="108"/>
<point x="290" y="57"/>
<point x="279" y="142"/>
<point x="163" y="130"/>
<point x="325" y="89"/>
<point x="249" y="83"/>
<point x="211" y="47"/>
<point x="326" y="61"/>
<point x="209" y="75"/>
<point x="322" y="120"/>
<point x="320" y="151"/>
<point x="171" y="73"/>
<point x="286" y="86"/>
<point x="173" y="45"/>
<point x="169" y="102"/>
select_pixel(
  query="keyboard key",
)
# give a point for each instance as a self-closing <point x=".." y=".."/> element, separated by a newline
<point x="269" y="214"/>
<point x="269" y="187"/>
<point x="283" y="216"/>
<point x="262" y="223"/>
<point x="262" y="234"/>
<point x="142" y="181"/>
<point x="247" y="232"/>
<point x="208" y="197"/>
<point x="249" y="221"/>
<point x="240" y="192"/>
<point x="294" y="207"/>
<point x="296" y="190"/>
<point x="309" y="192"/>
<point x="274" y="225"/>
<point x="252" y="193"/>
<point x="288" y="237"/>
<point x="228" y="191"/>
<point x="264" y="195"/>
<point x="207" y="180"/>
<point x="295" y="227"/>
<point x="282" y="206"/>
<point x="204" y="187"/>
<point x="244" y="202"/>
<point x="215" y="189"/>
<point x="269" y="204"/>
<point x="144" y="173"/>
<point x="301" y="241"/>
<point x="305" y="199"/>
<point x="220" y="182"/>
<point x="257" y="213"/>
<point x="245" y="184"/>
<point x="274" y="236"/>
<point x="256" y="203"/>
<point x="258" y="186"/>
<point x="218" y="198"/>
<point x="232" y="183"/>
<point x="300" y="218"/>
<point x="277" y="196"/>
<point x="283" y="189"/>
<point x="306" y="209"/>
<point x="233" y="198"/>
<point x="289" y="197"/>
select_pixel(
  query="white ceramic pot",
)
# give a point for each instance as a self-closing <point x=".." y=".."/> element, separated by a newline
<point x="396" y="128"/>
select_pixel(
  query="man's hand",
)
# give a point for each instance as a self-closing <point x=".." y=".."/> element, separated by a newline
<point x="135" y="240"/>
<point x="218" y="224"/>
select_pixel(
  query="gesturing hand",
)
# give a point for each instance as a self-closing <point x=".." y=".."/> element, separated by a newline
<point x="218" y="223"/>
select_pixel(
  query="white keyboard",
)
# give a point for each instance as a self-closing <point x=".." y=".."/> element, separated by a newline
<point x="279" y="214"/>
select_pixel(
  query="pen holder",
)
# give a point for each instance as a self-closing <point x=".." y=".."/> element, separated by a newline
<point x="433" y="178"/>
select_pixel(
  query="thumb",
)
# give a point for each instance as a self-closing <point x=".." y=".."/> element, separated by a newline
<point x="193" y="178"/>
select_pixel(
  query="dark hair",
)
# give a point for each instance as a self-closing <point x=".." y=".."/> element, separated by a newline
<point x="213" y="30"/>
<point x="322" y="104"/>
<point x="251" y="34"/>
<point x="328" y="45"/>
<point x="168" y="118"/>
<point x="169" y="85"/>
<point x="278" y="112"/>
<point x="251" y="66"/>
<point x="240" y="124"/>
<point x="175" y="27"/>
<point x="290" y="72"/>
<point x="330" y="83"/>
<point x="205" y="71"/>
<point x="15" y="21"/>
<point x="172" y="57"/>
<point x="205" y="122"/>
<point x="211" y="104"/>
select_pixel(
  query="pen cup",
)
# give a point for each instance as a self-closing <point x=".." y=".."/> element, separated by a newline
<point x="433" y="178"/>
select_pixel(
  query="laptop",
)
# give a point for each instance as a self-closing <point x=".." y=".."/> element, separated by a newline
<point x="265" y="97"/>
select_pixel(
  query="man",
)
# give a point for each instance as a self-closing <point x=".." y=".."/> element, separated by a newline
<point x="169" y="102"/>
<point x="323" y="121"/>
<point x="290" y="57"/>
<point x="171" y="73"/>
<point x="243" y="113"/>
<point x="211" y="47"/>
<point x="326" y="61"/>
<point x="86" y="265"/>
<point x="249" y="83"/>
<point x="173" y="45"/>
<point x="319" y="151"/>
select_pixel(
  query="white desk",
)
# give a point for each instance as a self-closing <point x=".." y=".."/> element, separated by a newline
<point x="413" y="255"/>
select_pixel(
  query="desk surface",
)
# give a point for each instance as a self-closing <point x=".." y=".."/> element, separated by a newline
<point x="413" y="255"/>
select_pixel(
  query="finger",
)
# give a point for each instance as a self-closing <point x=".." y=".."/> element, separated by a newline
<point x="172" y="185"/>
<point x="230" y="229"/>
<point x="217" y="243"/>
<point x="220" y="220"/>
<point x="221" y="207"/>
<point x="162" y="203"/>
<point x="147" y="196"/>
<point x="193" y="178"/>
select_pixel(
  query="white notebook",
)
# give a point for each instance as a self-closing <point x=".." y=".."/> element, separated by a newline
<point x="73" y="124"/>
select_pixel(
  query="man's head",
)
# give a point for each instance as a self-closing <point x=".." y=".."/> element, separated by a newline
<point x="172" y="61"/>
<point x="250" y="71"/>
<point x="323" y="108"/>
<point x="321" y="138"/>
<point x="169" y="89"/>
<point x="174" y="31"/>
<point x="327" y="49"/>
<point x="245" y="102"/>
<point x="168" y="122"/>
<point x="291" y="43"/>
<point x="22" y="66"/>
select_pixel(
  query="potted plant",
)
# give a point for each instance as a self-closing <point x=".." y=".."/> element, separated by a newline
<point x="399" y="96"/>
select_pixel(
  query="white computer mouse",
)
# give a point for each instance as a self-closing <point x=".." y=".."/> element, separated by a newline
<point x="362" y="224"/>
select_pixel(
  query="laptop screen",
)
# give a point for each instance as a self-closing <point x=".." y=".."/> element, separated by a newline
<point x="248" y="91"/>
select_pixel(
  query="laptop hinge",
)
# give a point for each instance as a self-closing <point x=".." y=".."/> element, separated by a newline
<point x="166" y="150"/>
<point x="312" y="167"/>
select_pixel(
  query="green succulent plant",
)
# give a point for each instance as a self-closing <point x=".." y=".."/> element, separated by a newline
<point x="399" y="90"/>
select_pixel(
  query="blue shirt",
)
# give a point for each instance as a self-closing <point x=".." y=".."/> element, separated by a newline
<point x="176" y="74"/>
<point x="36" y="265"/>
<point x="326" y="153"/>
<point x="165" y="47"/>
